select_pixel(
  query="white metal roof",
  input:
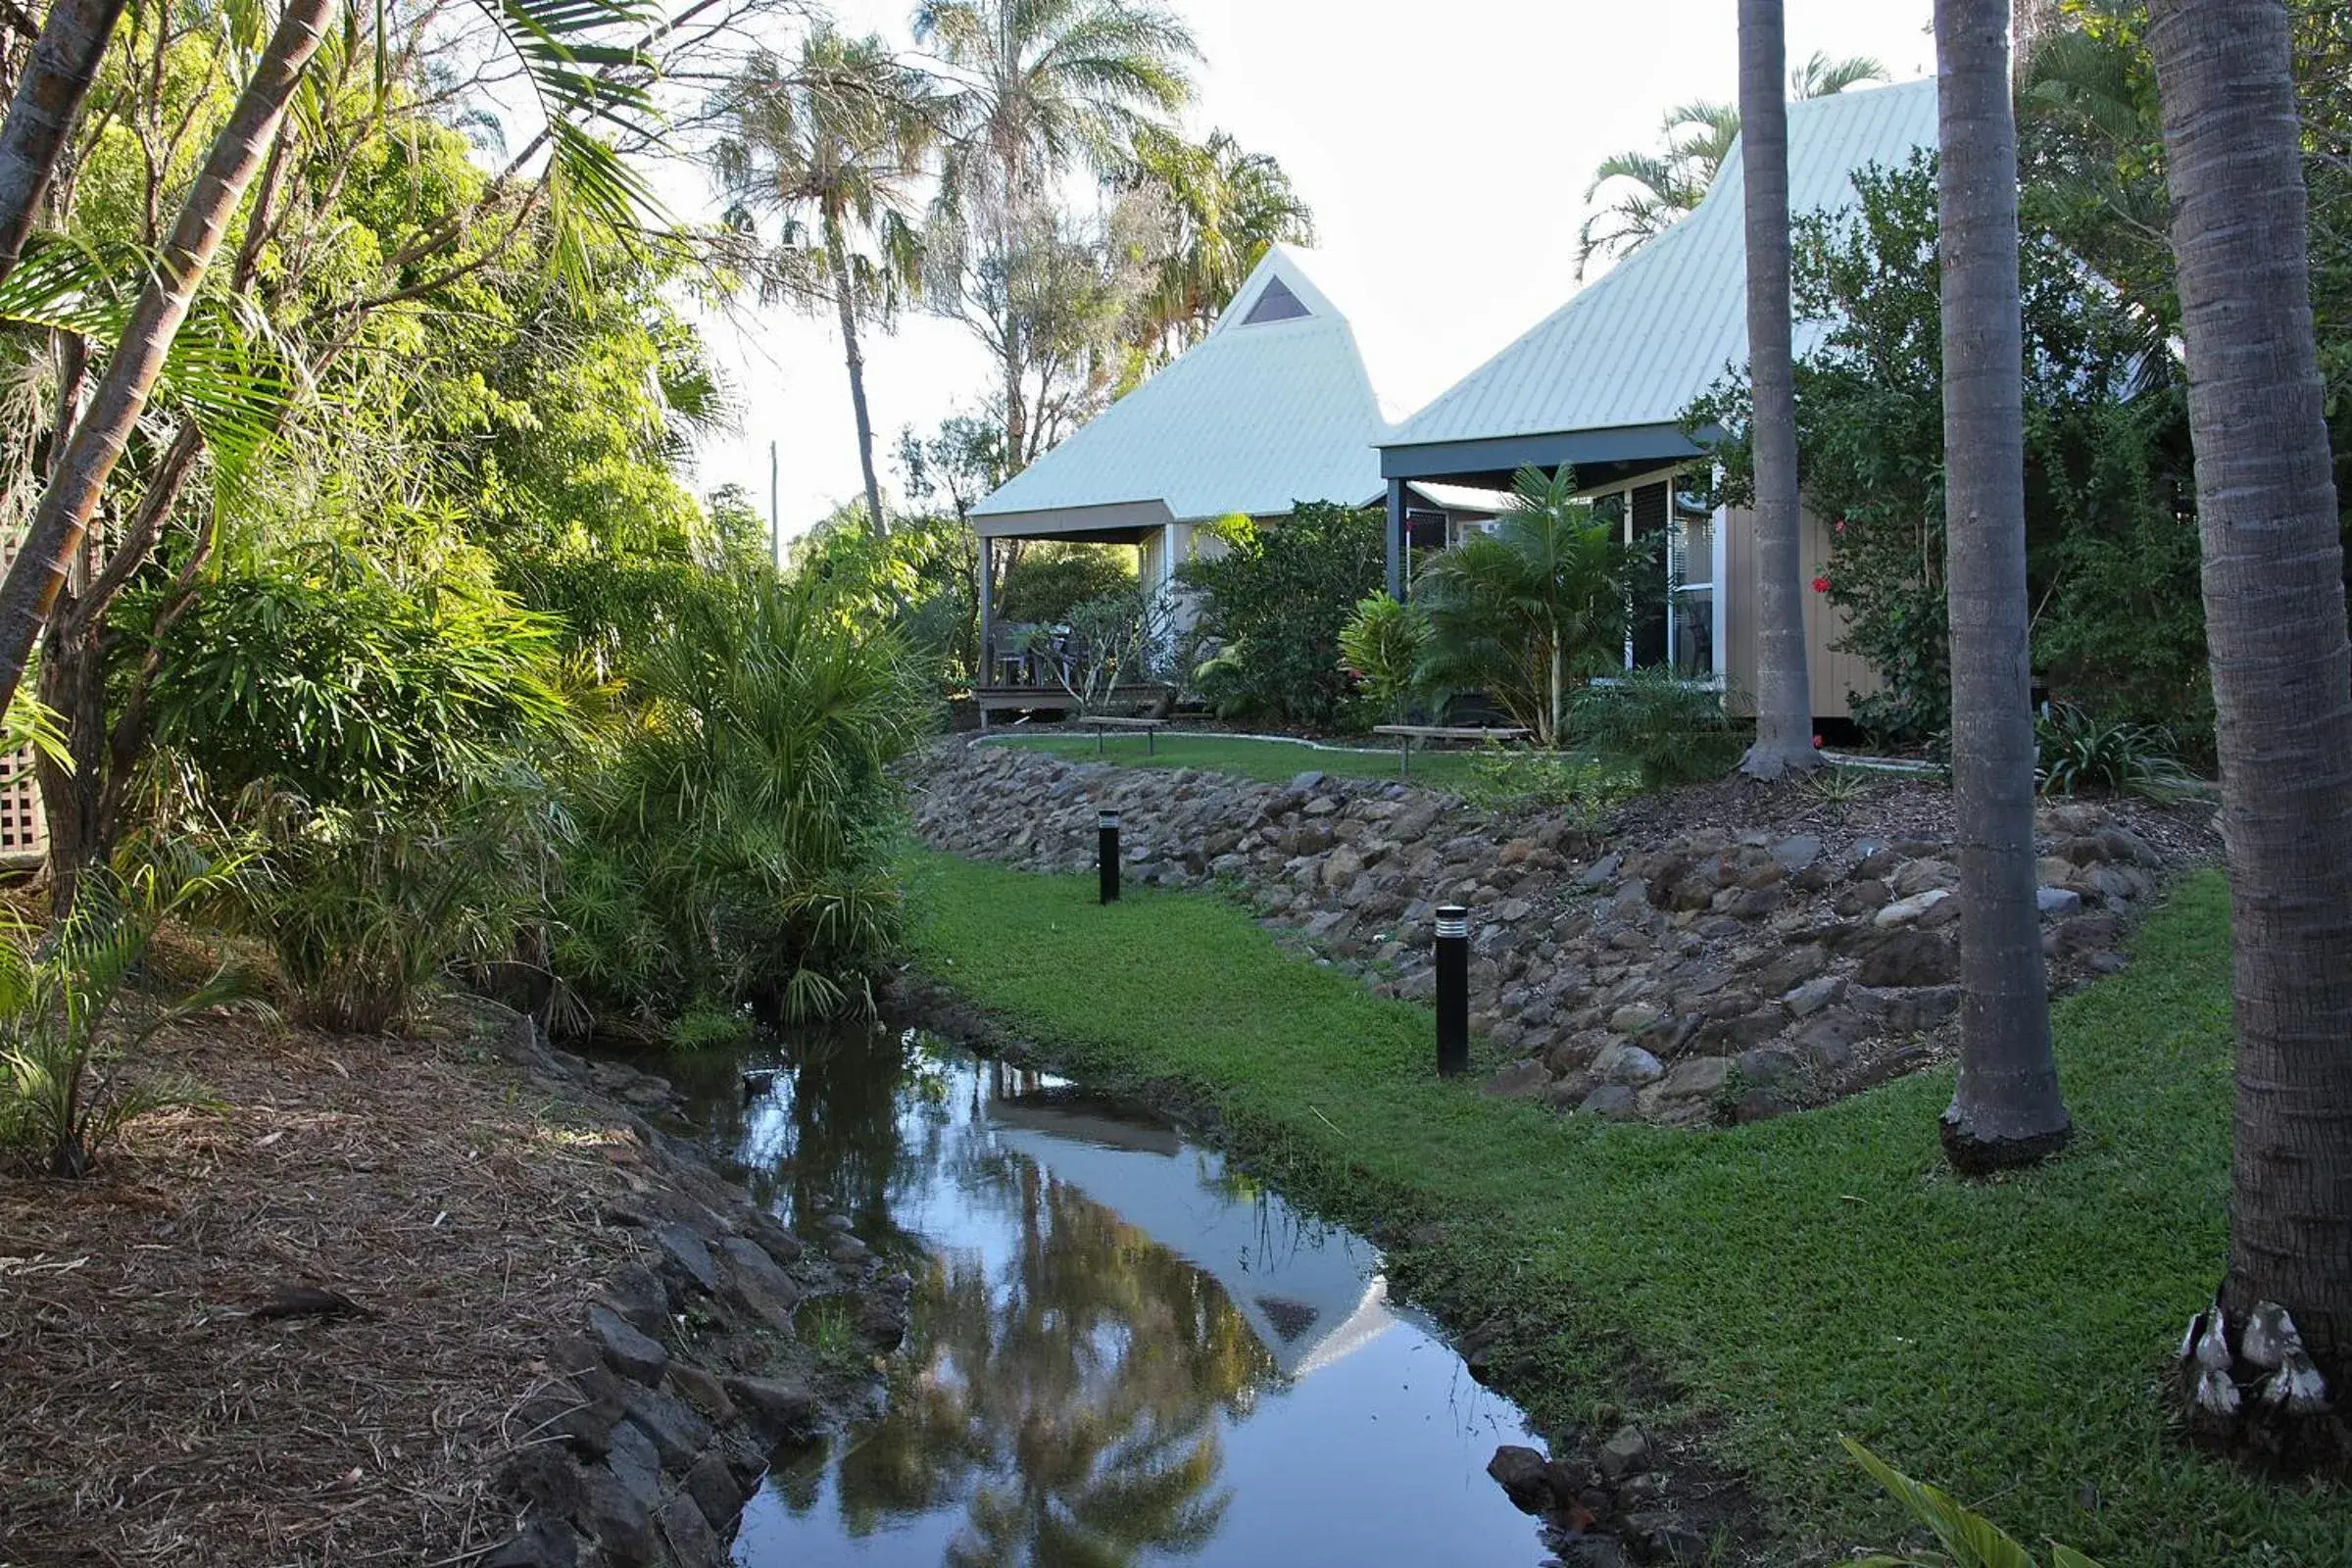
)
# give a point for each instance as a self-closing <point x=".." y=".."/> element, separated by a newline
<point x="1251" y="419"/>
<point x="1637" y="346"/>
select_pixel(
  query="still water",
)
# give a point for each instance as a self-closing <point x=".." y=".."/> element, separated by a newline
<point x="1123" y="1352"/>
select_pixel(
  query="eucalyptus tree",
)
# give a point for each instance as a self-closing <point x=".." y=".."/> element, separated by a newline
<point x="1654" y="189"/>
<point x="2274" y="621"/>
<point x="1228" y="207"/>
<point x="2006" y="1108"/>
<point x="1784" y="695"/>
<point x="1034" y="89"/>
<point x="834" y="145"/>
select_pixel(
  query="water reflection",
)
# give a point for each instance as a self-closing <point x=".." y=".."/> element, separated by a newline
<point x="1121" y="1353"/>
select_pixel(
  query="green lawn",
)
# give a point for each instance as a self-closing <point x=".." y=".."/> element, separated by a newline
<point x="1786" y="1282"/>
<point x="1274" y="761"/>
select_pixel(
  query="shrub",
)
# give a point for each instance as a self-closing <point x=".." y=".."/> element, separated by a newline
<point x="1277" y="600"/>
<point x="1051" y="578"/>
<point x="1968" y="1539"/>
<point x="735" y="820"/>
<point x="1526" y="613"/>
<point x="1581" y="789"/>
<point x="1674" y="731"/>
<point x="68" y="1011"/>
<point x="1384" y="645"/>
<point x="2082" y="753"/>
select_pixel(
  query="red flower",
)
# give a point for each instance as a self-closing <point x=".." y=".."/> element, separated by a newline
<point x="1841" y="525"/>
<point x="1820" y="585"/>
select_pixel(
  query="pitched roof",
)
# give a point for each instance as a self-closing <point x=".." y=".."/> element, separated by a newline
<point x="1658" y="328"/>
<point x="1259" y="413"/>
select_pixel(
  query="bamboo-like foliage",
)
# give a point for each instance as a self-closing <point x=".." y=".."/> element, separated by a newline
<point x="735" y="823"/>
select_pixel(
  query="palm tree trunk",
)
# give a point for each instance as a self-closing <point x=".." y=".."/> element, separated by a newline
<point x="1784" y="693"/>
<point x="844" y="297"/>
<point x="2275" y="625"/>
<point x="56" y="79"/>
<point x="74" y="490"/>
<point x="2006" y="1108"/>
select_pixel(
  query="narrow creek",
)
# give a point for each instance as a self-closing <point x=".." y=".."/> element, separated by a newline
<point x="1123" y="1350"/>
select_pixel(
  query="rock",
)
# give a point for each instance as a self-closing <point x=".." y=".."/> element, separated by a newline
<point x="544" y="1543"/>
<point x="783" y="1407"/>
<point x="610" y="1512"/>
<point x="1694" y="1077"/>
<point x="1524" y="1476"/>
<point x="636" y="1462"/>
<point x="633" y="1293"/>
<point x="1663" y="1536"/>
<point x="1792" y="969"/>
<point x="1342" y="866"/>
<point x="1521" y="1080"/>
<point x="1796" y="853"/>
<point x="628" y="1352"/>
<point x="1813" y="996"/>
<point x="1754" y="904"/>
<point x="542" y="1478"/>
<point x="1767" y="1064"/>
<point x="691" y="1540"/>
<point x="1860" y="897"/>
<point x="1906" y="1010"/>
<point x="1625" y="1064"/>
<point x="1631" y="1020"/>
<point x="711" y="1485"/>
<point x="1907" y="912"/>
<point x="702" y="1391"/>
<point x="2057" y="900"/>
<point x="1625" y="1453"/>
<point x="1594" y="1552"/>
<point x="684" y="1254"/>
<point x="1830" y="1038"/>
<point x="677" y="1433"/>
<point x="1601" y="872"/>
<point x="2087" y="933"/>
<point x="1615" y="1101"/>
<point x="1306" y="783"/>
<point x="1760" y="1103"/>
<point x="1910" y="958"/>
<point x="1918" y="876"/>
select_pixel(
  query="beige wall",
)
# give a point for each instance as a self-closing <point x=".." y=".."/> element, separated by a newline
<point x="1832" y="674"/>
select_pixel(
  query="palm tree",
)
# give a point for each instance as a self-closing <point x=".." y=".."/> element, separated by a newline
<point x="1784" y="695"/>
<point x="64" y="511"/>
<point x="834" y="146"/>
<point x="2282" y="673"/>
<point x="1229" y="207"/>
<point x="1528" y="610"/>
<point x="1038" y="88"/>
<point x="2006" y="1108"/>
<point x="1656" y="188"/>
<point x="54" y="81"/>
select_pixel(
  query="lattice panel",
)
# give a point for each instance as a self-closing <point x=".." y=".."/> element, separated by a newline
<point x="24" y="833"/>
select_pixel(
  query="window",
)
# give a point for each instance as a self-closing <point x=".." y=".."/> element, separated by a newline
<point x="1675" y="626"/>
<point x="1275" y="303"/>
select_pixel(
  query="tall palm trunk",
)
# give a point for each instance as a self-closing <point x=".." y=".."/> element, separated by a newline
<point x="74" y="490"/>
<point x="2275" y="624"/>
<point x="845" y="299"/>
<point x="2006" y="1108"/>
<point x="1784" y="694"/>
<point x="56" y="79"/>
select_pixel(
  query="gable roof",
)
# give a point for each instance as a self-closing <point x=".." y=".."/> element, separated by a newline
<point x="1274" y="406"/>
<point x="1637" y="345"/>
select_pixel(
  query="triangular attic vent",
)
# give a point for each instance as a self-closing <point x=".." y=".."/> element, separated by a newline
<point x="1275" y="303"/>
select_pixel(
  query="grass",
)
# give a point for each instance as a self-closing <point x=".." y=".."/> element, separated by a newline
<point x="1790" y="1281"/>
<point x="1271" y="761"/>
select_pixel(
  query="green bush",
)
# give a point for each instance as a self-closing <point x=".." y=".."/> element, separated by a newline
<point x="1384" y="645"/>
<point x="1671" y="730"/>
<point x="1050" y="579"/>
<point x="1277" y="600"/>
<point x="734" y="817"/>
<point x="1581" y="789"/>
<point x="2080" y="752"/>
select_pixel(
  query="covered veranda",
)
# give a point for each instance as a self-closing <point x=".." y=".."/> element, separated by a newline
<point x="1020" y="670"/>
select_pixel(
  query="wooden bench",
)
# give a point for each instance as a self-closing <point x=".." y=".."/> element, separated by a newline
<point x="1409" y="733"/>
<point x="1149" y="727"/>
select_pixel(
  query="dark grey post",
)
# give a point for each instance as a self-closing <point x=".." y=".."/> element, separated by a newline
<point x="1109" y="855"/>
<point x="1454" y="990"/>
<point x="1397" y="539"/>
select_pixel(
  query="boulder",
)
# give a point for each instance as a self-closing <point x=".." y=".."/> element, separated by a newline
<point x="784" y="1407"/>
<point x="692" y="1541"/>
<point x="1910" y="958"/>
<point x="629" y="1353"/>
<point x="1861" y="898"/>
<point x="1524" y="1476"/>
<point x="1521" y="1080"/>
<point x="1813" y="996"/>
<point x="1614" y="1102"/>
<point x="1627" y="1452"/>
<point x="542" y="1542"/>
<point x="637" y="1298"/>
<point x="2057" y="900"/>
<point x="1626" y="1063"/>
<point x="686" y="1257"/>
<point x="1796" y="853"/>
<point x="610" y="1512"/>
<point x="711" y="1484"/>
<point x="1909" y="910"/>
<point x="1694" y="1077"/>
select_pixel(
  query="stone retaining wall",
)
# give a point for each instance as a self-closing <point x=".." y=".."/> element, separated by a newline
<point x="1678" y="974"/>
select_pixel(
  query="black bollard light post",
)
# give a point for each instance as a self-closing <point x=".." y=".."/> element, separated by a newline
<point x="1109" y="855"/>
<point x="1454" y="990"/>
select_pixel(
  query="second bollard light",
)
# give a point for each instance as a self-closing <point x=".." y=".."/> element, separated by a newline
<point x="1454" y="990"/>
<point x="1109" y="855"/>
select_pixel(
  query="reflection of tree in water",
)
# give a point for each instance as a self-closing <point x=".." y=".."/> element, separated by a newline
<point x="1073" y="1401"/>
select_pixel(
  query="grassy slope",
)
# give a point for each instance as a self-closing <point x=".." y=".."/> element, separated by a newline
<point x="1273" y="761"/>
<point x="1795" y="1279"/>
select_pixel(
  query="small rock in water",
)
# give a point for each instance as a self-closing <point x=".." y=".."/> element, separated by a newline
<point x="1524" y="1476"/>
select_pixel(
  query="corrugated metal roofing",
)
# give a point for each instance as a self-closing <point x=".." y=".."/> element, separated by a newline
<point x="1254" y="417"/>
<point x="1661" y="326"/>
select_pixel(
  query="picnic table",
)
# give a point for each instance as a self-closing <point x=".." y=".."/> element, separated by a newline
<point x="1409" y="733"/>
<point x="1149" y="727"/>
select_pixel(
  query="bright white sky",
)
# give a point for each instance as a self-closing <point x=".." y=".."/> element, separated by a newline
<point x="1445" y="151"/>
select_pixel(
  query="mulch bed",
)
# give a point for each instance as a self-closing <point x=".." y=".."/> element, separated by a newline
<point x="148" y="1414"/>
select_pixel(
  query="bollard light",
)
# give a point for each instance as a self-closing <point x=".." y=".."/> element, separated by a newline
<point x="1454" y="990"/>
<point x="1107" y="825"/>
